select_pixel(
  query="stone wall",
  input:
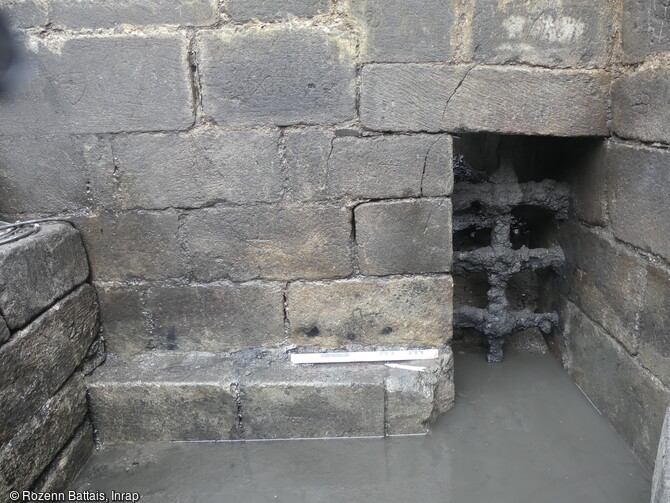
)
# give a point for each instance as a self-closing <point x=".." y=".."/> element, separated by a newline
<point x="617" y="311"/>
<point x="251" y="173"/>
<point x="48" y="341"/>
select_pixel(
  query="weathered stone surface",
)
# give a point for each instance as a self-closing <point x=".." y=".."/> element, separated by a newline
<point x="40" y="358"/>
<point x="639" y="190"/>
<point x="323" y="166"/>
<point x="38" y="269"/>
<point x="644" y="28"/>
<point x="47" y="173"/>
<point x="126" y="246"/>
<point x="660" y="487"/>
<point x="294" y="410"/>
<point x="25" y="13"/>
<point x="75" y="14"/>
<point x="4" y="331"/>
<point x="274" y="10"/>
<point x="588" y="185"/>
<point x="398" y="237"/>
<point x="155" y="171"/>
<point x="640" y="104"/>
<point x="103" y="85"/>
<point x="36" y="444"/>
<point x="212" y="318"/>
<point x="151" y="412"/>
<point x="69" y="462"/>
<point x="415" y="399"/>
<point x="654" y="323"/>
<point x="606" y="281"/>
<point x="277" y="75"/>
<point x="371" y="311"/>
<point x="122" y="316"/>
<point x="400" y="31"/>
<point x="571" y="33"/>
<point x="495" y="99"/>
<point x="285" y="242"/>
<point x="623" y="391"/>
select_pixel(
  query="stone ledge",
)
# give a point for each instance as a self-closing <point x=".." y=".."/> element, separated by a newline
<point x="494" y="99"/>
<point x="260" y="394"/>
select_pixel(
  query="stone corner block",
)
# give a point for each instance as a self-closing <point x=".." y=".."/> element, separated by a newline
<point x="371" y="311"/>
<point x="39" y="269"/>
<point x="415" y="399"/>
<point x="277" y="76"/>
<point x="404" y="237"/>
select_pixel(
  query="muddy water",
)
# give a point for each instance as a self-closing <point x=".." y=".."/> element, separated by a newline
<point x="520" y="432"/>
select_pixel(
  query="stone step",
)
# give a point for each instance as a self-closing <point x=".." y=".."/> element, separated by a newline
<point x="260" y="394"/>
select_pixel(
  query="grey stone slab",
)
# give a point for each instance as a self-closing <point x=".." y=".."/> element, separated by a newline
<point x="40" y="358"/>
<point x="35" y="445"/>
<point x="137" y="245"/>
<point x="371" y="311"/>
<point x="404" y="237"/>
<point x="508" y="100"/>
<point x="571" y="33"/>
<point x="660" y="486"/>
<point x="279" y="75"/>
<point x="639" y="190"/>
<point x="644" y="29"/>
<point x="272" y="242"/>
<point x="69" y="462"/>
<point x="309" y="410"/>
<point x="622" y="390"/>
<point x="123" y="320"/>
<point x="25" y="13"/>
<point x="49" y="174"/>
<point x="323" y="166"/>
<point x="102" y="84"/>
<point x="400" y="31"/>
<point x="275" y="10"/>
<point x="4" y="331"/>
<point x="639" y="104"/>
<point x="654" y="323"/>
<point x="167" y="411"/>
<point x="77" y="14"/>
<point x="39" y="269"/>
<point x="606" y="281"/>
<point x="155" y="171"/>
<point x="415" y="399"/>
<point x="214" y="317"/>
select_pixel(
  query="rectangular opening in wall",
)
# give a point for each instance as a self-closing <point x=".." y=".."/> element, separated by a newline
<point x="511" y="195"/>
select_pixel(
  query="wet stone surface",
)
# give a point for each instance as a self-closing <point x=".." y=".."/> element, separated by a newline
<point x="520" y="432"/>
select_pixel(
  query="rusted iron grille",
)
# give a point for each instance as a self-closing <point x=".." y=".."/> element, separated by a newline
<point x="488" y="205"/>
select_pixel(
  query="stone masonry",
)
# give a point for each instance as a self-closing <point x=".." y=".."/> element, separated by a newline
<point x="50" y="322"/>
<point x="277" y="174"/>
